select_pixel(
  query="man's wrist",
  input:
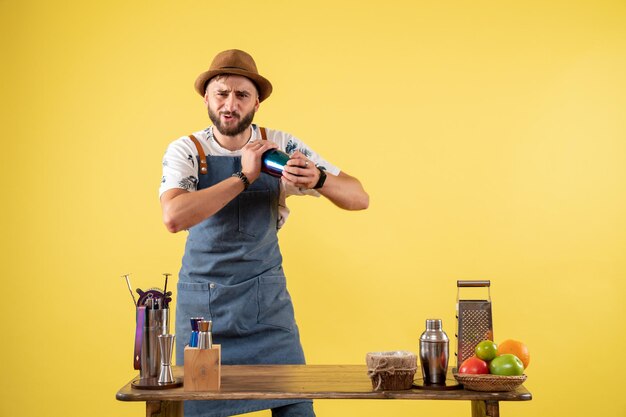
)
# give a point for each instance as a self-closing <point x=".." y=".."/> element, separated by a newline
<point x="321" y="180"/>
<point x="243" y="178"/>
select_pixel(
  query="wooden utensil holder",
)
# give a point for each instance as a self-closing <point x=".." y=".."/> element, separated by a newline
<point x="203" y="369"/>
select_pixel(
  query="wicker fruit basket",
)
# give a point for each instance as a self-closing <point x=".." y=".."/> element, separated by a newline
<point x="488" y="382"/>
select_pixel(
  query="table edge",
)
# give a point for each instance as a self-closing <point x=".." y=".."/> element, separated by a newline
<point x="128" y="393"/>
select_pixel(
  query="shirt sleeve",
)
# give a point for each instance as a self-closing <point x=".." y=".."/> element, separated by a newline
<point x="291" y="144"/>
<point x="180" y="168"/>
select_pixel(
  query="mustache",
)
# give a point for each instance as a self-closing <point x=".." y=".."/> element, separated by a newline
<point x="230" y="113"/>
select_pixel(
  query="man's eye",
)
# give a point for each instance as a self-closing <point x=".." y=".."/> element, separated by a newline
<point x="222" y="94"/>
<point x="242" y="95"/>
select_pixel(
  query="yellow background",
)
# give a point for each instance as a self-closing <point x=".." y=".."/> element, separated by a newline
<point x="489" y="134"/>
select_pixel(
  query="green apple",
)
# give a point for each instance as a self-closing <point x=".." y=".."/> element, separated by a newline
<point x="507" y="364"/>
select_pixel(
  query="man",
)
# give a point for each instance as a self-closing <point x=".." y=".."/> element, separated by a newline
<point x="232" y="272"/>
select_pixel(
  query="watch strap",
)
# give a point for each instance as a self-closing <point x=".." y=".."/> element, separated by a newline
<point x="321" y="180"/>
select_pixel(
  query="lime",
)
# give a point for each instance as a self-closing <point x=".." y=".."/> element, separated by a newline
<point x="486" y="350"/>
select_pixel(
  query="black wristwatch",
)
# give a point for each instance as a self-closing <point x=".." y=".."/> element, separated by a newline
<point x="322" y="180"/>
<point x="243" y="179"/>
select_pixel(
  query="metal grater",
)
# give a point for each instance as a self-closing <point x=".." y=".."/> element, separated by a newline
<point x="474" y="321"/>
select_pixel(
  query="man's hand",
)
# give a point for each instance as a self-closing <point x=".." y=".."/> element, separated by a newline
<point x="251" y="158"/>
<point x="343" y="190"/>
<point x="301" y="172"/>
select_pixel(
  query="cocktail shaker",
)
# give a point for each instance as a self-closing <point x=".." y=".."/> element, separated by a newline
<point x="434" y="353"/>
<point x="273" y="162"/>
<point x="166" y="346"/>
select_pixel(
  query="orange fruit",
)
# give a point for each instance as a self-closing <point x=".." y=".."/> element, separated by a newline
<point x="517" y="348"/>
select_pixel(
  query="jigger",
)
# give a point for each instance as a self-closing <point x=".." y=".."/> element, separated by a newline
<point x="193" y="341"/>
<point x="205" y="338"/>
<point x="166" y="345"/>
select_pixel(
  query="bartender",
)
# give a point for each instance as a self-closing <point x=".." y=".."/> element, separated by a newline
<point x="232" y="274"/>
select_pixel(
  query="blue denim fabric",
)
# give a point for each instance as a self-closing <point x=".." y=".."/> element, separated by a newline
<point x="232" y="274"/>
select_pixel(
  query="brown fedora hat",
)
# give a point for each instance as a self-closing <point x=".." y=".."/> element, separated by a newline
<point x="234" y="62"/>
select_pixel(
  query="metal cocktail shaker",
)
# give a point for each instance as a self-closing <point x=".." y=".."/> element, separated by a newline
<point x="434" y="353"/>
<point x="273" y="162"/>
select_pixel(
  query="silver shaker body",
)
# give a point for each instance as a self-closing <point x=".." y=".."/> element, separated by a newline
<point x="157" y="323"/>
<point x="434" y="353"/>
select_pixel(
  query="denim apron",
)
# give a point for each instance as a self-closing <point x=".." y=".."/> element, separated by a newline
<point x="232" y="274"/>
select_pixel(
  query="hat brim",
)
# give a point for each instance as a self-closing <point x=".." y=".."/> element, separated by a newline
<point x="262" y="84"/>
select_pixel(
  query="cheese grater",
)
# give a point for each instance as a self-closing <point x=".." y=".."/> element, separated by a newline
<point x="474" y="321"/>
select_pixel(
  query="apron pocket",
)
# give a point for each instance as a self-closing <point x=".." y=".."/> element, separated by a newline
<point x="275" y="306"/>
<point x="254" y="212"/>
<point x="234" y="308"/>
<point x="193" y="300"/>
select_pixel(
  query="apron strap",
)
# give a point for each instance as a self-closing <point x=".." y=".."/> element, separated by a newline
<point x="201" y="155"/>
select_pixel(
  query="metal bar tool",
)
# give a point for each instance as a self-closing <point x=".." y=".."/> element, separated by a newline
<point x="166" y="346"/>
<point x="474" y="320"/>
<point x="205" y="337"/>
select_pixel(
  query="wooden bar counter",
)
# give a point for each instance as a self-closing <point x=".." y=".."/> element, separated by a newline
<point x="248" y="382"/>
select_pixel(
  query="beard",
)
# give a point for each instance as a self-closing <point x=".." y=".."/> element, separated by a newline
<point x="235" y="129"/>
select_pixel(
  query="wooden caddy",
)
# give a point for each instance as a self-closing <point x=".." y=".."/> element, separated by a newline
<point x="203" y="369"/>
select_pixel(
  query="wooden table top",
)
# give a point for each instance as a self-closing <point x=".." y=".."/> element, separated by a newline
<point x="246" y="382"/>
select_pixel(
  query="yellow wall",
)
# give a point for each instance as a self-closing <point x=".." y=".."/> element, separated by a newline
<point x="490" y="136"/>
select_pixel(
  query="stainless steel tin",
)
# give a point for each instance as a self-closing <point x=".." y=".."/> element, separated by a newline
<point x="157" y="323"/>
<point x="434" y="353"/>
<point x="273" y="162"/>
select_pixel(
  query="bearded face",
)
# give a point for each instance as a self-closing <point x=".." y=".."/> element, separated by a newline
<point x="230" y="123"/>
<point x="231" y="101"/>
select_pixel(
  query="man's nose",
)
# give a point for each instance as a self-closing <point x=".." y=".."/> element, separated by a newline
<point x="230" y="103"/>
